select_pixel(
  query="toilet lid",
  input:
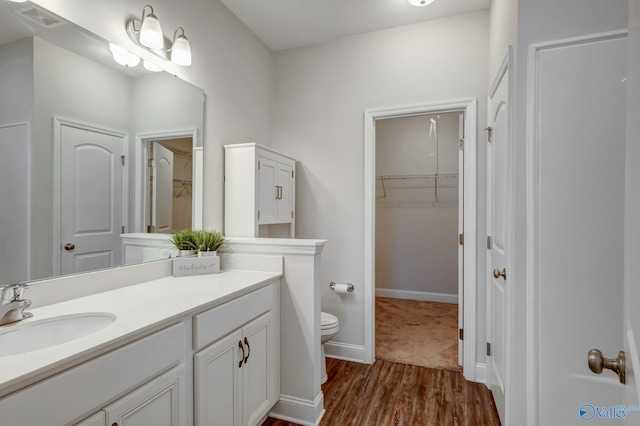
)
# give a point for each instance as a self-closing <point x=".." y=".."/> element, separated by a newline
<point x="327" y="320"/>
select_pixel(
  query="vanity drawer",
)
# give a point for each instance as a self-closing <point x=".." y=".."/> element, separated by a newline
<point x="219" y="321"/>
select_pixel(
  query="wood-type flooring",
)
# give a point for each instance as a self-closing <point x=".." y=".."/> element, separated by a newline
<point x="387" y="393"/>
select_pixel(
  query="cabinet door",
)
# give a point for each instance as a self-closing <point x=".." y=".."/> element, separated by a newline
<point x="217" y="384"/>
<point x="267" y="181"/>
<point x="257" y="377"/>
<point x="161" y="402"/>
<point x="98" y="419"/>
<point x="284" y="193"/>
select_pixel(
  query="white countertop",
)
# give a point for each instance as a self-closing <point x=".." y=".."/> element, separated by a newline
<point x="140" y="309"/>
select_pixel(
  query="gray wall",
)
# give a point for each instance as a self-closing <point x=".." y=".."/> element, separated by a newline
<point x="321" y="94"/>
<point x="417" y="234"/>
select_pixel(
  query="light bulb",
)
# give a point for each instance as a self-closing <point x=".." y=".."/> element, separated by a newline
<point x="150" y="31"/>
<point x="122" y="56"/>
<point x="181" y="49"/>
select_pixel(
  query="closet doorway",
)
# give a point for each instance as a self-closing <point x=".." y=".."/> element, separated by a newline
<point x="416" y="159"/>
<point x="417" y="238"/>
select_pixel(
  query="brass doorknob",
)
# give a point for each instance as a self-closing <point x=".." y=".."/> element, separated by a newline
<point x="597" y="363"/>
<point x="69" y="246"/>
<point x="497" y="273"/>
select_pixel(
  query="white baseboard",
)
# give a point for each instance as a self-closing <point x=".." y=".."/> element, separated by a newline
<point x="425" y="296"/>
<point x="344" y="351"/>
<point x="481" y="373"/>
<point x="300" y="411"/>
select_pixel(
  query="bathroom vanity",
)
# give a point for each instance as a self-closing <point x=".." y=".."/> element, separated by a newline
<point x="198" y="350"/>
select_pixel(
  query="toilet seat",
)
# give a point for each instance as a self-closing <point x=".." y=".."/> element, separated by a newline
<point x="327" y="320"/>
<point x="328" y="324"/>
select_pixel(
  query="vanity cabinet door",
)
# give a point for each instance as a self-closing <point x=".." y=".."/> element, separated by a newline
<point x="217" y="382"/>
<point x="98" y="419"/>
<point x="258" y="382"/>
<point x="284" y="201"/>
<point x="161" y="402"/>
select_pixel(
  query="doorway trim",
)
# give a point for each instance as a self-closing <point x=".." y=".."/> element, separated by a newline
<point x="469" y="107"/>
<point x="141" y="175"/>
<point x="58" y="123"/>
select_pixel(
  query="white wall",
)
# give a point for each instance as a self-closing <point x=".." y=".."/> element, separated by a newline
<point x="417" y="234"/>
<point x="322" y="92"/>
<point x="232" y="66"/>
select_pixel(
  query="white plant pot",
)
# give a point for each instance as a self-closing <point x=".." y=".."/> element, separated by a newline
<point x="185" y="253"/>
<point x="207" y="253"/>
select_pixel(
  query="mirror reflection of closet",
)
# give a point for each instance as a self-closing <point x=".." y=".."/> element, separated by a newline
<point x="170" y="185"/>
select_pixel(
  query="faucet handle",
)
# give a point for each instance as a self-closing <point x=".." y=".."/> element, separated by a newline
<point x="17" y="291"/>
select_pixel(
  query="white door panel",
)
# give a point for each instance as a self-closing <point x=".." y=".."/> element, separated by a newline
<point x="162" y="192"/>
<point x="580" y="196"/>
<point x="498" y="230"/>
<point x="632" y="213"/>
<point x="91" y="199"/>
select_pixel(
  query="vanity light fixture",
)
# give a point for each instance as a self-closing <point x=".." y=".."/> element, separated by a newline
<point x="181" y="49"/>
<point x="147" y="33"/>
<point x="18" y="1"/>
<point x="150" y="66"/>
<point x="420" y="3"/>
<point x="122" y="56"/>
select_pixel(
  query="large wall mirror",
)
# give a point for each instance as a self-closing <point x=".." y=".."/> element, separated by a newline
<point x="89" y="149"/>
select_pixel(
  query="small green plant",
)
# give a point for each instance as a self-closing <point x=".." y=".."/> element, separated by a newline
<point x="209" y="240"/>
<point x="187" y="239"/>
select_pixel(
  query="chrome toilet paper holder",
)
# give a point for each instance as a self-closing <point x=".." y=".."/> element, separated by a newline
<point x="332" y="286"/>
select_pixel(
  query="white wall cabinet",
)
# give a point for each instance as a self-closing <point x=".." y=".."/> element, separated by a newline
<point x="259" y="192"/>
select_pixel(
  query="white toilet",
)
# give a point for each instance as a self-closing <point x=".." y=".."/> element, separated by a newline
<point x="329" y="326"/>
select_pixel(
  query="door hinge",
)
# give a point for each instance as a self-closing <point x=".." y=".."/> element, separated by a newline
<point x="123" y="229"/>
<point x="291" y="214"/>
<point x="292" y="174"/>
<point x="489" y="131"/>
<point x="122" y="159"/>
<point x="461" y="239"/>
<point x="258" y="214"/>
<point x="460" y="334"/>
<point x="488" y="349"/>
<point x="151" y="163"/>
<point x="258" y="164"/>
<point x="151" y="229"/>
<point x="489" y="243"/>
<point x="462" y="144"/>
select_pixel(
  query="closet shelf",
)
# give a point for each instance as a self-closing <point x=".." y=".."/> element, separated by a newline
<point x="416" y="181"/>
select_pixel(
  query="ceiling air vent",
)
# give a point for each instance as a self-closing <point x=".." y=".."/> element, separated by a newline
<point x="41" y="16"/>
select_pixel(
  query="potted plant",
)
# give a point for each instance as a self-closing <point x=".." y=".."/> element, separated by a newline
<point x="208" y="242"/>
<point x="185" y="241"/>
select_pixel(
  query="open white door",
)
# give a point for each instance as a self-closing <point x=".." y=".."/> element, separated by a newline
<point x="162" y="190"/>
<point x="499" y="235"/>
<point x="461" y="245"/>
<point x="91" y="198"/>
<point x="632" y="214"/>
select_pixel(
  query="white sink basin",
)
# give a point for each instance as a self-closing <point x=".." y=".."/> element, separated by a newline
<point x="21" y="338"/>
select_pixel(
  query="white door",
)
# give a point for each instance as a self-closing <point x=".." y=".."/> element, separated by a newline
<point x="91" y="199"/>
<point x="267" y="191"/>
<point x="256" y="370"/>
<point x="283" y="193"/>
<point x="162" y="190"/>
<point x="578" y="218"/>
<point x="631" y="324"/>
<point x="499" y="234"/>
<point x="461" y="232"/>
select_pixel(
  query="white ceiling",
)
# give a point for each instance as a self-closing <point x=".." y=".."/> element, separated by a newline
<point x="282" y="24"/>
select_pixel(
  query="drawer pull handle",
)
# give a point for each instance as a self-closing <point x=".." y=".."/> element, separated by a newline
<point x="243" y="358"/>
<point x="246" y="342"/>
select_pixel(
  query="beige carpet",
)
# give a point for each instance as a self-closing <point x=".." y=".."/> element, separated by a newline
<point x="417" y="333"/>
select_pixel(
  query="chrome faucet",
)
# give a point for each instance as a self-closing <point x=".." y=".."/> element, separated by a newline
<point x="12" y="305"/>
